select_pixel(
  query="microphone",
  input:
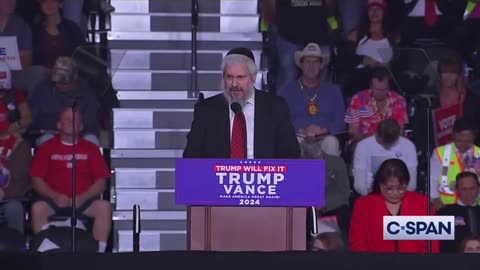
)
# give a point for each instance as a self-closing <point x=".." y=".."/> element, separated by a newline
<point x="195" y="13"/>
<point x="237" y="109"/>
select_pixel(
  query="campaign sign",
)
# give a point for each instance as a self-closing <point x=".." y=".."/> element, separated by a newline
<point x="9" y="52"/>
<point x="443" y="120"/>
<point x="229" y="182"/>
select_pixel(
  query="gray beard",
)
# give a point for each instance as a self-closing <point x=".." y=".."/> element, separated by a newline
<point x="242" y="101"/>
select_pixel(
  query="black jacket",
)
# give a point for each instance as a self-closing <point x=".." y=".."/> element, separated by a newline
<point x="274" y="135"/>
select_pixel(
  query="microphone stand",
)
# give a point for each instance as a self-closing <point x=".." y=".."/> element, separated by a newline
<point x="193" y="83"/>
<point x="74" y="176"/>
<point x="427" y="188"/>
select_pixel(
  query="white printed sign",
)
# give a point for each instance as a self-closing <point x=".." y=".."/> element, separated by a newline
<point x="9" y="52"/>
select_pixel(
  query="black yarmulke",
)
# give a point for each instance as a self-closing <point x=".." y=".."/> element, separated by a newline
<point x="242" y="51"/>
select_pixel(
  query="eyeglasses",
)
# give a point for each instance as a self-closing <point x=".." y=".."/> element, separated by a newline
<point x="399" y="189"/>
<point x="232" y="78"/>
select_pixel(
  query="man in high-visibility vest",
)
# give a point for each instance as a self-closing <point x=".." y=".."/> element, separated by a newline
<point x="451" y="159"/>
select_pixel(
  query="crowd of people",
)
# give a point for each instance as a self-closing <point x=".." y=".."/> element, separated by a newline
<point x="339" y="94"/>
<point x="50" y="106"/>
<point x="360" y="78"/>
<point x="346" y="85"/>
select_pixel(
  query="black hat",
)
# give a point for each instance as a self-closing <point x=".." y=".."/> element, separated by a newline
<point x="242" y="51"/>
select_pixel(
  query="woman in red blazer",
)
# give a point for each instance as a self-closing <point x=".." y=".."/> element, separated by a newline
<point x="389" y="197"/>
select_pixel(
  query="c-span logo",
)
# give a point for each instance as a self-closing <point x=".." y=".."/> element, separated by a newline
<point x="418" y="227"/>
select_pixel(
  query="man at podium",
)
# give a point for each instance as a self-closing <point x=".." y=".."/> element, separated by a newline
<point x="242" y="122"/>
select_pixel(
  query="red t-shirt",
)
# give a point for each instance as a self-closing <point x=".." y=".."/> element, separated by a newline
<point x="52" y="163"/>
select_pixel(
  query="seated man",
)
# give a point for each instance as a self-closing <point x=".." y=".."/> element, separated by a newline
<point x="64" y="89"/>
<point x="369" y="107"/>
<point x="371" y="152"/>
<point x="317" y="107"/>
<point x="466" y="211"/>
<point x="51" y="173"/>
<point x="422" y="23"/>
<point x="337" y="185"/>
<point x="15" y="155"/>
<point x="447" y="161"/>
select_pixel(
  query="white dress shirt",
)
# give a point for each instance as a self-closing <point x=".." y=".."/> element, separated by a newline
<point x="459" y="202"/>
<point x="249" y="112"/>
<point x="419" y="10"/>
<point x="379" y="50"/>
<point x="369" y="155"/>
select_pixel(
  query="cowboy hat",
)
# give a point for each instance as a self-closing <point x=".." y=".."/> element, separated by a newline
<point x="312" y="49"/>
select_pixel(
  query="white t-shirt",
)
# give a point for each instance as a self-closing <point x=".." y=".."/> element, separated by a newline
<point x="369" y="155"/>
<point x="419" y="10"/>
<point x="379" y="50"/>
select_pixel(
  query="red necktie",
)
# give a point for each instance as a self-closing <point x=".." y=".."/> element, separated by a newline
<point x="430" y="12"/>
<point x="237" y="148"/>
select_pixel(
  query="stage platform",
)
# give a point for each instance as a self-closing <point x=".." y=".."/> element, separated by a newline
<point x="242" y="260"/>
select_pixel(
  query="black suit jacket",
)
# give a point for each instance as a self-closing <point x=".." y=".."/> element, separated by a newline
<point x="398" y="10"/>
<point x="461" y="229"/>
<point x="274" y="135"/>
<point x="405" y="7"/>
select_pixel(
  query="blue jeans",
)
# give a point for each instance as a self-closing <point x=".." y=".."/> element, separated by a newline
<point x="73" y="10"/>
<point x="14" y="214"/>
<point x="287" y="69"/>
<point x="351" y="12"/>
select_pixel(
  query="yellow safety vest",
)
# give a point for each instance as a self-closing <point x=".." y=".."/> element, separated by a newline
<point x="264" y="26"/>
<point x="471" y="5"/>
<point x="451" y="167"/>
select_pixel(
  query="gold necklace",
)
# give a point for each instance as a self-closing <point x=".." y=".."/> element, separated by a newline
<point x="311" y="105"/>
<point x="379" y="114"/>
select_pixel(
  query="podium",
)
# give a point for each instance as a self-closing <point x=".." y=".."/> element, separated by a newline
<point x="248" y="205"/>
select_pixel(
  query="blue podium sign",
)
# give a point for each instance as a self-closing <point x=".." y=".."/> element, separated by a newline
<point x="230" y="182"/>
